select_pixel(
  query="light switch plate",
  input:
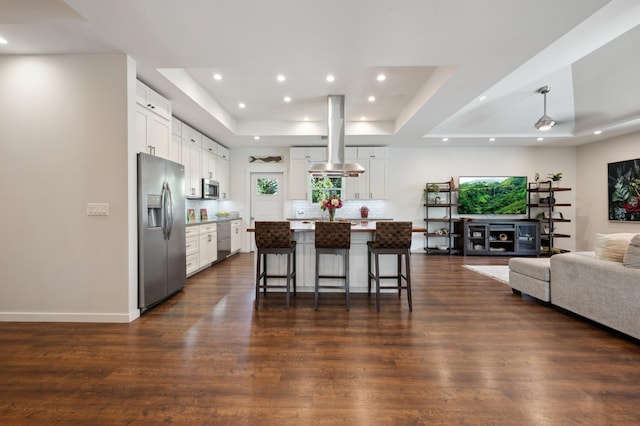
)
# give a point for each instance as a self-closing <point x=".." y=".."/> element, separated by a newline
<point x="97" y="209"/>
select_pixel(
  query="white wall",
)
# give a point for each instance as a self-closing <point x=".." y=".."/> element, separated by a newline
<point x="410" y="168"/>
<point x="592" y="196"/>
<point x="65" y="132"/>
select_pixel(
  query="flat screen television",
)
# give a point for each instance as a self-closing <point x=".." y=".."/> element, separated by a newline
<point x="492" y="195"/>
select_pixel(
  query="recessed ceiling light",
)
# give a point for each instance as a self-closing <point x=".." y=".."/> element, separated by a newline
<point x="257" y="138"/>
<point x="381" y="77"/>
<point x="540" y="139"/>
<point x="597" y="132"/>
<point x="241" y="105"/>
<point x="363" y="118"/>
<point x="331" y="78"/>
<point x="3" y="40"/>
<point x="492" y="139"/>
<point x="445" y="139"/>
<point x="482" y="98"/>
<point x="287" y="98"/>
<point x="217" y="76"/>
<point x="281" y="78"/>
<point x="371" y="98"/>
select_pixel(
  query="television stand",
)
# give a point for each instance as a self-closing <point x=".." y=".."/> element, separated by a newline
<point x="497" y="237"/>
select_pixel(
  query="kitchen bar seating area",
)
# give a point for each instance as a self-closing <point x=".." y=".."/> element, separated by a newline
<point x="391" y="238"/>
<point x="274" y="238"/>
<point x="359" y="251"/>
<point x="332" y="238"/>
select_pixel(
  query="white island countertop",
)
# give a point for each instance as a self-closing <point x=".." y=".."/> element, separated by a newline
<point x="309" y="226"/>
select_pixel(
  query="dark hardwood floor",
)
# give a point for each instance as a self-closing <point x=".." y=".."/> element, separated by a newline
<point x="471" y="353"/>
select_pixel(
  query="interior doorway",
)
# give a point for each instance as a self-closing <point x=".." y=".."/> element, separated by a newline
<point x="267" y="198"/>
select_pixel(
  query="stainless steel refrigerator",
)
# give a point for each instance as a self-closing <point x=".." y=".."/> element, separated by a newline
<point x="161" y="233"/>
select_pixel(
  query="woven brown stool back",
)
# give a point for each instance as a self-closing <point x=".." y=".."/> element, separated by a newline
<point x="333" y="235"/>
<point x="274" y="237"/>
<point x="392" y="235"/>
<point x="273" y="234"/>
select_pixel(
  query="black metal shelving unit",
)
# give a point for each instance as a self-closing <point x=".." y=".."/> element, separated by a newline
<point x="542" y="205"/>
<point x="444" y="233"/>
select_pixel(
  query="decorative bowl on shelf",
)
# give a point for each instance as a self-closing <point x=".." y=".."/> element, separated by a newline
<point x="442" y="247"/>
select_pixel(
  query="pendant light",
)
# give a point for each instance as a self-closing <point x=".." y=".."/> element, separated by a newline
<point x="545" y="122"/>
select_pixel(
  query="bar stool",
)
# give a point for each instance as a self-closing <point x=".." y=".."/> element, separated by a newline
<point x="391" y="238"/>
<point x="333" y="238"/>
<point x="274" y="238"/>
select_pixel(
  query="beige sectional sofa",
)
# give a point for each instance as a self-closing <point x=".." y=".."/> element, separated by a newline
<point x="603" y="286"/>
<point x="604" y="291"/>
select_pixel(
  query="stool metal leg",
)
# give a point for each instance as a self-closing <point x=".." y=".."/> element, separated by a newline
<point x="317" y="279"/>
<point x="264" y="259"/>
<point x="346" y="280"/>
<point x="295" y="291"/>
<point x="369" y="254"/>
<point x="399" y="276"/>
<point x="377" y="282"/>
<point x="257" y="301"/>
<point x="288" y="279"/>
<point x="408" y="279"/>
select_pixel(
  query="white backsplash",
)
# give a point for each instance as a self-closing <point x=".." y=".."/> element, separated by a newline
<point x="212" y="206"/>
<point x="350" y="209"/>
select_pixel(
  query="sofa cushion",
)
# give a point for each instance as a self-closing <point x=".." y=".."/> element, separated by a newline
<point x="537" y="268"/>
<point x="632" y="255"/>
<point x="613" y="246"/>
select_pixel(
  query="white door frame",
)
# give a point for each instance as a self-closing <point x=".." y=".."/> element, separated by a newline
<point x="263" y="168"/>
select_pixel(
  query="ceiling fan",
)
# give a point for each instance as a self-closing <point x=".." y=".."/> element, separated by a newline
<point x="545" y="122"/>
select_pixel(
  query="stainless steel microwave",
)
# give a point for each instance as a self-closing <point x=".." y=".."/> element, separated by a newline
<point x="210" y="189"/>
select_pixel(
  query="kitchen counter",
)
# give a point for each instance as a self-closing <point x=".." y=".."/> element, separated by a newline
<point x="350" y="219"/>
<point x="215" y="219"/>
<point x="309" y="226"/>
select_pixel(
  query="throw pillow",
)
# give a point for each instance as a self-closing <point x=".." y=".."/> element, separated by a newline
<point x="612" y="246"/>
<point x="632" y="256"/>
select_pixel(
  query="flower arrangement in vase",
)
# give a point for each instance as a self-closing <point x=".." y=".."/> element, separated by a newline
<point x="331" y="204"/>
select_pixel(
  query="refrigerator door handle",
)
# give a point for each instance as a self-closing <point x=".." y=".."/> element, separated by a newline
<point x="163" y="212"/>
<point x="169" y="212"/>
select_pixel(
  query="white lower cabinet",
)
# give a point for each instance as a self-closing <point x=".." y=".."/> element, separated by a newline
<point x="208" y="244"/>
<point x="192" y="252"/>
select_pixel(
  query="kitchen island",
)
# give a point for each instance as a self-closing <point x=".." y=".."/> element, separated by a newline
<point x="361" y="233"/>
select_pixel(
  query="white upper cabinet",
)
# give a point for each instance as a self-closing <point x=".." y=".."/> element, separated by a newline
<point x="152" y="100"/>
<point x="309" y="154"/>
<point x="153" y="133"/>
<point x="176" y="127"/>
<point x="153" y="122"/>
<point x="209" y="158"/>
<point x="371" y="185"/>
<point x="299" y="161"/>
<point x="191" y="154"/>
<point x="223" y="152"/>
<point x="223" y="174"/>
<point x="202" y="157"/>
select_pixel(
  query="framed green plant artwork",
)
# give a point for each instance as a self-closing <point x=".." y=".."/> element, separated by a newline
<point x="624" y="190"/>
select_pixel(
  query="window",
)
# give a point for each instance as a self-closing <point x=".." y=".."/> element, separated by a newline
<point x="323" y="187"/>
<point x="267" y="186"/>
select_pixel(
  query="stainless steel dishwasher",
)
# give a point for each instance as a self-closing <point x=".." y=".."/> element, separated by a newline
<point x="224" y="240"/>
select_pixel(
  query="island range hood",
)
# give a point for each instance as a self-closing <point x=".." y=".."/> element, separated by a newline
<point x="335" y="165"/>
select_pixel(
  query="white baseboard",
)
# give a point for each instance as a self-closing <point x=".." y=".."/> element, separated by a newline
<point x="68" y="317"/>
